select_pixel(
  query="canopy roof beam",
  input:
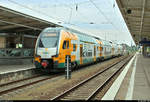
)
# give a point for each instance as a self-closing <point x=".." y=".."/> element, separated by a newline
<point x="142" y="18"/>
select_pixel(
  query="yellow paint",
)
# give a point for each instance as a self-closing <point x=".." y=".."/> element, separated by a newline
<point x="113" y="50"/>
<point x="73" y="57"/>
<point x="81" y="50"/>
<point x="63" y="52"/>
<point x="46" y="49"/>
<point x="38" y="59"/>
<point x="99" y="42"/>
<point x="95" y="53"/>
<point x="55" y="59"/>
<point x="100" y="48"/>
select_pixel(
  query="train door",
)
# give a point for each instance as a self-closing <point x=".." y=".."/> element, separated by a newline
<point x="101" y="49"/>
<point x="65" y="51"/>
<point x="113" y="51"/>
<point x="94" y="53"/>
<point x="81" y="56"/>
<point x="66" y="48"/>
<point x="105" y="52"/>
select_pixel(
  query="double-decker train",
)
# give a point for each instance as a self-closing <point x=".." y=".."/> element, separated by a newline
<point x="54" y="45"/>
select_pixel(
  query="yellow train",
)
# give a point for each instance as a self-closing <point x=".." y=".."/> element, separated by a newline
<point x="55" y="44"/>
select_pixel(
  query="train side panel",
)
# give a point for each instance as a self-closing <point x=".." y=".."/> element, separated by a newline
<point x="80" y="48"/>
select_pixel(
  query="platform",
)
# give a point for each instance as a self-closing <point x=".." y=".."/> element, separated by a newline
<point x="141" y="88"/>
<point x="14" y="68"/>
<point x="134" y="81"/>
<point x="10" y="73"/>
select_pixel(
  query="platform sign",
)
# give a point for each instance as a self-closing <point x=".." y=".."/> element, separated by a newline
<point x="68" y="67"/>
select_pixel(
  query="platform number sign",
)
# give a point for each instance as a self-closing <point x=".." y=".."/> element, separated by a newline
<point x="68" y="67"/>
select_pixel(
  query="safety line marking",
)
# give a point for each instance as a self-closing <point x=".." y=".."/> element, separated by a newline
<point x="111" y="93"/>
<point x="129" y="95"/>
<point x="17" y="70"/>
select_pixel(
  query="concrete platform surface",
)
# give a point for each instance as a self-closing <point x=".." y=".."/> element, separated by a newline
<point x="14" y="68"/>
<point x="9" y="73"/>
<point x="141" y="90"/>
<point x="136" y="82"/>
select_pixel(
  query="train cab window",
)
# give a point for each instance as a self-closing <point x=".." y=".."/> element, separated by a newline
<point x="74" y="47"/>
<point x="66" y="44"/>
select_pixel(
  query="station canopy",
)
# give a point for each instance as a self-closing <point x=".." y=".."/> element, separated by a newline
<point x="136" y="14"/>
<point x="15" y="22"/>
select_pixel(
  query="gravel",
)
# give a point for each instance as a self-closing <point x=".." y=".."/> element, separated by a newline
<point x="50" y="88"/>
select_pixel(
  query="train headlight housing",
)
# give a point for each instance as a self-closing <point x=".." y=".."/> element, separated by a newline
<point x="44" y="63"/>
<point x="37" y="58"/>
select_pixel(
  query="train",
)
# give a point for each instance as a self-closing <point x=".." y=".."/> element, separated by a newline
<point x="54" y="45"/>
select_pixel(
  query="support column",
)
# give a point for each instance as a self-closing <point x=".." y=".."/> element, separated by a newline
<point x="2" y="42"/>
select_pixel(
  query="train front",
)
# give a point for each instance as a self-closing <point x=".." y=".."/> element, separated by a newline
<point x="46" y="48"/>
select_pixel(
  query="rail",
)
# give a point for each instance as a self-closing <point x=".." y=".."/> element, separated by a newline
<point x="67" y="92"/>
<point x="27" y="82"/>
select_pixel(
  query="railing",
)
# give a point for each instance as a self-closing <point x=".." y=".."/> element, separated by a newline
<point x="16" y="53"/>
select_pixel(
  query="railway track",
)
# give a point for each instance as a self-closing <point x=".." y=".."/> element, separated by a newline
<point x="90" y="87"/>
<point x="23" y="83"/>
<point x="18" y="84"/>
<point x="13" y="82"/>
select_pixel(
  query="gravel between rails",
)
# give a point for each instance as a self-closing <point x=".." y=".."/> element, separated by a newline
<point x="6" y="88"/>
<point x="50" y="88"/>
<point x="87" y="88"/>
<point x="102" y="92"/>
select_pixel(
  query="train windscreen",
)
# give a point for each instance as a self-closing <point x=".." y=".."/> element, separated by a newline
<point x="48" y="40"/>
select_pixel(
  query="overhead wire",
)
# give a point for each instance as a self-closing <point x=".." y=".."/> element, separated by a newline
<point x="34" y="10"/>
<point x="104" y="15"/>
<point x="68" y="23"/>
<point x="97" y="8"/>
<point x="76" y="6"/>
<point x="49" y="15"/>
<point x="70" y="13"/>
<point x="69" y="6"/>
<point x="72" y="4"/>
<point x="113" y="5"/>
<point x="116" y="15"/>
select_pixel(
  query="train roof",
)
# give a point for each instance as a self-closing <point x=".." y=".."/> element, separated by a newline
<point x="83" y="36"/>
<point x="52" y="29"/>
<point x="69" y="29"/>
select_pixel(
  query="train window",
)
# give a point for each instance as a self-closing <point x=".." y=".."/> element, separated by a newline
<point x="89" y="54"/>
<point x="74" y="47"/>
<point x="47" y="42"/>
<point x="66" y="44"/>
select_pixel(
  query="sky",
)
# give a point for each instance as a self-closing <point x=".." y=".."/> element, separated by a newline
<point x="101" y="18"/>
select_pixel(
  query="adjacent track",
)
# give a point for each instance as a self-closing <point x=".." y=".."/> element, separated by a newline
<point x="12" y="86"/>
<point x="19" y="84"/>
<point x="88" y="88"/>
